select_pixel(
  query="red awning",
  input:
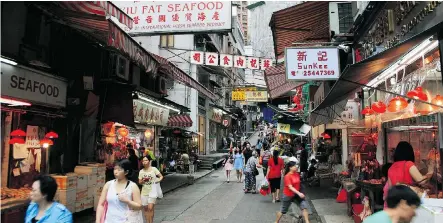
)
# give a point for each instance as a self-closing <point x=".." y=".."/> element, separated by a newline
<point x="91" y="17"/>
<point x="177" y="74"/>
<point x="101" y="8"/>
<point x="180" y="121"/>
<point x="276" y="82"/>
<point x="312" y="25"/>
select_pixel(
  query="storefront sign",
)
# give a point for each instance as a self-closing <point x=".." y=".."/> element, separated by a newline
<point x="215" y="115"/>
<point x="303" y="64"/>
<point x="224" y="60"/>
<point x="238" y="95"/>
<point x="23" y="83"/>
<point x="226" y="120"/>
<point x="150" y="114"/>
<point x="245" y="89"/>
<point x="256" y="96"/>
<point x="283" y="128"/>
<point x="177" y="17"/>
<point x="32" y="139"/>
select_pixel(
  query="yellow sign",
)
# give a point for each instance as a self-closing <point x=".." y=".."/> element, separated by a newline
<point x="238" y="96"/>
<point x="245" y="89"/>
<point x="257" y="96"/>
<point x="284" y="128"/>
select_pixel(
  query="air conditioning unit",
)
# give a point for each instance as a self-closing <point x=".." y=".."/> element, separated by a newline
<point x="120" y="66"/>
<point x="161" y="85"/>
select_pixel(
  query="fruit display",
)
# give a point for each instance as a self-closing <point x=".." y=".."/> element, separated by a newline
<point x="9" y="196"/>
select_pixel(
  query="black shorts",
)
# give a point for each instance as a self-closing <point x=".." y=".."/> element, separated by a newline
<point x="275" y="184"/>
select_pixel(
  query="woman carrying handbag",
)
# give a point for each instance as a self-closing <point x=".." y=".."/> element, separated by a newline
<point x="120" y="201"/>
<point x="149" y="177"/>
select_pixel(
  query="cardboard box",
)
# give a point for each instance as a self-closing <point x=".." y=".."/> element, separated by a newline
<point x="96" y="198"/>
<point x="84" y="204"/>
<point x="101" y="167"/>
<point x="98" y="190"/>
<point x="66" y="182"/>
<point x="85" y="170"/>
<point x="81" y="194"/>
<point x="101" y="180"/>
<point x="92" y="180"/>
<point x="66" y="196"/>
<point x="82" y="182"/>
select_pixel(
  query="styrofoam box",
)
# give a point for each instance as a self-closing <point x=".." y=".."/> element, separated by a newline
<point x="81" y="194"/>
<point x="91" y="191"/>
<point x="92" y="180"/>
<point x="66" y="182"/>
<point x="101" y="167"/>
<point x="101" y="179"/>
<point x="98" y="190"/>
<point x="66" y="196"/>
<point x="85" y="170"/>
<point x="82" y="181"/>
<point x="83" y="204"/>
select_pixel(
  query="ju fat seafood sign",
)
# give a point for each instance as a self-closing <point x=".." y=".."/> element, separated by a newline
<point x="173" y="17"/>
<point x="303" y="64"/>
<point x="150" y="114"/>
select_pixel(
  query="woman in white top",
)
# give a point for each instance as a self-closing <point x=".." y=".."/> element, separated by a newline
<point x="149" y="177"/>
<point x="121" y="196"/>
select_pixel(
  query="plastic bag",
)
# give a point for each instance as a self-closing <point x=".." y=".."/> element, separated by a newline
<point x="264" y="184"/>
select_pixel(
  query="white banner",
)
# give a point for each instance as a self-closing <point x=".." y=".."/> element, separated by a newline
<point x="239" y="61"/>
<point x="253" y="63"/>
<point x="150" y="114"/>
<point x="32" y="139"/>
<point x="211" y="59"/>
<point x="317" y="63"/>
<point x="226" y="60"/>
<point x="265" y="63"/>
<point x="177" y="17"/>
<point x="35" y="86"/>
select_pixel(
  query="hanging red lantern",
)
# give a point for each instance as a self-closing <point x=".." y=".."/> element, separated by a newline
<point x="18" y="132"/>
<point x="397" y="104"/>
<point x="123" y="131"/>
<point x="367" y="111"/>
<point x="16" y="141"/>
<point x="438" y="100"/>
<point x="379" y="107"/>
<point x="418" y="94"/>
<point x="51" y="135"/>
<point x="326" y="136"/>
<point x="46" y="142"/>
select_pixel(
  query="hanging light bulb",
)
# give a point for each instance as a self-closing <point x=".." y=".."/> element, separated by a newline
<point x="16" y="141"/>
<point x="379" y="107"/>
<point x="51" y="135"/>
<point x="397" y="104"/>
<point x="148" y="133"/>
<point x="123" y="131"/>
<point x="438" y="100"/>
<point x="45" y="143"/>
<point x="418" y="94"/>
<point x="18" y="132"/>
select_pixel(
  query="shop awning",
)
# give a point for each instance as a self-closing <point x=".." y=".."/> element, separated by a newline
<point x="179" y="75"/>
<point x="275" y="78"/>
<point x="93" y="19"/>
<point x="180" y="121"/>
<point x="357" y="75"/>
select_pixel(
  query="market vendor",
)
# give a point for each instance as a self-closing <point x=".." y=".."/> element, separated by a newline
<point x="403" y="170"/>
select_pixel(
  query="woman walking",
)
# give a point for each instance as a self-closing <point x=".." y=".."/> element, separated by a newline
<point x="265" y="156"/>
<point x="43" y="208"/>
<point x="292" y="193"/>
<point x="250" y="173"/>
<point x="275" y="171"/>
<point x="119" y="196"/>
<point x="229" y="165"/>
<point x="239" y="163"/>
<point x="148" y="177"/>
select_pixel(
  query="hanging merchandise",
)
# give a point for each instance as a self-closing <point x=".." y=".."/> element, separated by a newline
<point x="418" y="94"/>
<point x="20" y="151"/>
<point x="379" y="107"/>
<point x="38" y="159"/>
<point x="367" y="111"/>
<point x="397" y="104"/>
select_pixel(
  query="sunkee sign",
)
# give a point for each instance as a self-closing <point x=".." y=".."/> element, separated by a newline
<point x="151" y="17"/>
<point x="22" y="83"/>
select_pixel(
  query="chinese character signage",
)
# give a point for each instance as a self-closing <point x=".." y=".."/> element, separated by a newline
<point x="283" y="128"/>
<point x="215" y="115"/>
<point x="32" y="139"/>
<point x="177" y="17"/>
<point x="211" y="59"/>
<point x="265" y="63"/>
<point x="226" y="60"/>
<point x="256" y="96"/>
<point x="253" y="63"/>
<point x="150" y="114"/>
<point x="239" y="62"/>
<point x="245" y="89"/>
<point x="238" y="95"/>
<point x="303" y="64"/>
<point x="197" y="57"/>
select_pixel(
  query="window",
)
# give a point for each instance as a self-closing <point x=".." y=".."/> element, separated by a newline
<point x="167" y="41"/>
<point x="345" y="17"/>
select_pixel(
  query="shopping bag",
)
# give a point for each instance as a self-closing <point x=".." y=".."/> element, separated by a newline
<point x="158" y="190"/>
<point x="265" y="192"/>
<point x="342" y="197"/>
<point x="264" y="184"/>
